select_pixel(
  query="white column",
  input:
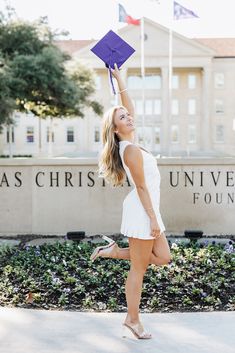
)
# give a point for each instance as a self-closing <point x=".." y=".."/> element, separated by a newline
<point x="10" y="140"/>
<point x="88" y="131"/>
<point x="39" y="135"/>
<point x="50" y="152"/>
<point x="206" y="131"/>
<point x="165" y="128"/>
<point x="2" y="141"/>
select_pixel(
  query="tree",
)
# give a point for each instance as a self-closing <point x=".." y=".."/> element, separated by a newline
<point x="34" y="75"/>
<point x="7" y="103"/>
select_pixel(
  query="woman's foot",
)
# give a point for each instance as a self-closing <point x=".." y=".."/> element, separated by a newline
<point x="137" y="330"/>
<point x="109" y="250"/>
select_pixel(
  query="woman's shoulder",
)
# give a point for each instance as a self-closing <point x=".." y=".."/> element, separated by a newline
<point x="124" y="144"/>
<point x="131" y="152"/>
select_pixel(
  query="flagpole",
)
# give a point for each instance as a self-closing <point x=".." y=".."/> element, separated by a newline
<point x="116" y="98"/>
<point x="170" y="88"/>
<point x="142" y="76"/>
<point x="177" y="12"/>
<point x="170" y="58"/>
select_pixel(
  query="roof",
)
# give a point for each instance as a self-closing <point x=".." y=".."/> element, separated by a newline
<point x="224" y="47"/>
<point x="71" y="46"/>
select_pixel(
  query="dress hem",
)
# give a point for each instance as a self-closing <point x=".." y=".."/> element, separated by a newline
<point x="141" y="237"/>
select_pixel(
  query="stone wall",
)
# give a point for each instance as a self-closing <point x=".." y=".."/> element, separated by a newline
<point x="53" y="196"/>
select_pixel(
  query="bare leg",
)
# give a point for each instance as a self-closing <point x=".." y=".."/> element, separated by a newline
<point x="140" y="252"/>
<point x="161" y="249"/>
<point x="124" y="254"/>
<point x="160" y="254"/>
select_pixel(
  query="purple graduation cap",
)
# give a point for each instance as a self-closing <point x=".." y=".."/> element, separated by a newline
<point x="112" y="49"/>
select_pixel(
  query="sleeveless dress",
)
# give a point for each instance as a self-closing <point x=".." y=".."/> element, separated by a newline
<point x="135" y="220"/>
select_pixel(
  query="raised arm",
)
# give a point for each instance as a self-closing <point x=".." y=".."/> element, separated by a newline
<point x="125" y="98"/>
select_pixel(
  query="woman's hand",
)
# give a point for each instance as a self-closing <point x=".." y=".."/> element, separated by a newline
<point x="155" y="229"/>
<point x="116" y="72"/>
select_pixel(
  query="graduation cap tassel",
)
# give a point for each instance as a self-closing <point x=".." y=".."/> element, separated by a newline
<point x="111" y="80"/>
<point x="112" y="50"/>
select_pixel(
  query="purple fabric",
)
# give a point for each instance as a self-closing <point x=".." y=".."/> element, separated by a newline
<point x="112" y="49"/>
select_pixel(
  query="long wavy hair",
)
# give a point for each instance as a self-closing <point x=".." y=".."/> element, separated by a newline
<point x="110" y="165"/>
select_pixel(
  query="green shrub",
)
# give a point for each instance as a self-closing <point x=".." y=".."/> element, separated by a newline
<point x="16" y="156"/>
<point x="60" y="275"/>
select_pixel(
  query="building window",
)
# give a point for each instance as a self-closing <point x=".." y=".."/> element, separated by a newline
<point x="157" y="135"/>
<point x="97" y="134"/>
<point x="134" y="82"/>
<point x="150" y="82"/>
<point x="175" y="81"/>
<point x="139" y="106"/>
<point x="30" y="134"/>
<point x="12" y="134"/>
<point x="140" y="135"/>
<point x="97" y="82"/>
<point x="175" y="107"/>
<point x="192" y="134"/>
<point x="148" y="107"/>
<point x="48" y="134"/>
<point x="219" y="133"/>
<point x="192" y="81"/>
<point x="192" y="106"/>
<point x="144" y="135"/>
<point x="219" y="106"/>
<point x="17" y="116"/>
<point x="175" y="134"/>
<point x="219" y="80"/>
<point x="70" y="134"/>
<point x="151" y="106"/>
<point x="28" y="114"/>
<point x="157" y="106"/>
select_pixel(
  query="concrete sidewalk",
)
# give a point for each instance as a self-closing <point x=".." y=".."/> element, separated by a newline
<point x="41" y="331"/>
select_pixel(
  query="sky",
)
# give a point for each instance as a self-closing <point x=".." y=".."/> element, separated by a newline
<point x="91" y="19"/>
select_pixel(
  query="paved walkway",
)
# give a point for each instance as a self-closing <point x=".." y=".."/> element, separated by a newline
<point x="42" y="331"/>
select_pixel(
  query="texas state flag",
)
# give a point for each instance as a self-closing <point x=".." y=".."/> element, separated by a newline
<point x="124" y="17"/>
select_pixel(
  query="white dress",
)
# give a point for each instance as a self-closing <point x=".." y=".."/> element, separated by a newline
<point x="135" y="220"/>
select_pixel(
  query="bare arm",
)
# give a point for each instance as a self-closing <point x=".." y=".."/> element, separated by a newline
<point x="134" y="160"/>
<point x="125" y="98"/>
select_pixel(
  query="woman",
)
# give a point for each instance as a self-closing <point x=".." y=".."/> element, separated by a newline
<point x="141" y="219"/>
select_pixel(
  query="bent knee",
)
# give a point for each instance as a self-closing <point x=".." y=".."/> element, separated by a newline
<point x="167" y="259"/>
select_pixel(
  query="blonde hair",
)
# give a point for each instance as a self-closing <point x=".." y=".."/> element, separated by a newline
<point x="110" y="163"/>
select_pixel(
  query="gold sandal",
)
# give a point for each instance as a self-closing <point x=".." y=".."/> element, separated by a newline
<point x="109" y="247"/>
<point x="135" y="330"/>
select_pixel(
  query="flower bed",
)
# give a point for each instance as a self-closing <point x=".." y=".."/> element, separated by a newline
<point x="60" y="276"/>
